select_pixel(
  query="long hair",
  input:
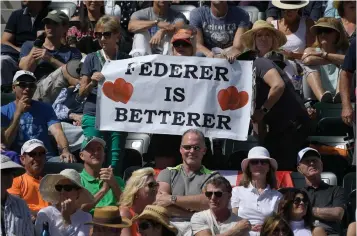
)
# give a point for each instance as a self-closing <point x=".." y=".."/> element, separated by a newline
<point x="135" y="182"/>
<point x="287" y="203"/>
<point x="84" y="22"/>
<point x="164" y="231"/>
<point x="342" y="43"/>
<point x="271" y="223"/>
<point x="247" y="177"/>
<point x="275" y="44"/>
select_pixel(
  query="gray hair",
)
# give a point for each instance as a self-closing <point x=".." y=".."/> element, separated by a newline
<point x="197" y="132"/>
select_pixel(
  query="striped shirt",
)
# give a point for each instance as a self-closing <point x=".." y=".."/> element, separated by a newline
<point x="17" y="217"/>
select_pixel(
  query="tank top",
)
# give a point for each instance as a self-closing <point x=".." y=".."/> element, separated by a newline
<point x="296" y="42"/>
<point x="134" y="226"/>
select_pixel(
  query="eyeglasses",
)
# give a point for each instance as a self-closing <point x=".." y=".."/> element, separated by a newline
<point x="189" y="147"/>
<point x="144" y="225"/>
<point x="181" y="43"/>
<point x="262" y="162"/>
<point x="321" y="30"/>
<point x="298" y="200"/>
<point x="66" y="187"/>
<point x="106" y="35"/>
<point x="209" y="194"/>
<point x="24" y="85"/>
<point x="36" y="154"/>
<point x="281" y="231"/>
<point x="153" y="185"/>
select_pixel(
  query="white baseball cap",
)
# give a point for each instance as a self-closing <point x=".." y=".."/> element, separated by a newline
<point x="304" y="151"/>
<point x="22" y="73"/>
<point x="31" y="144"/>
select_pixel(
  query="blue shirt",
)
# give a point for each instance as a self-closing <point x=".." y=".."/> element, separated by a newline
<point x="33" y="124"/>
<point x="63" y="54"/>
<point x="219" y="32"/>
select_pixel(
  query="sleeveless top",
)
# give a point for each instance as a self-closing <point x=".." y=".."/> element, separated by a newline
<point x="134" y="227"/>
<point x="296" y="42"/>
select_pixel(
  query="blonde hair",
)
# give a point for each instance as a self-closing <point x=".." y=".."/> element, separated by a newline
<point x="136" y="181"/>
<point x="275" y="45"/>
<point x="342" y="43"/>
<point x="109" y="23"/>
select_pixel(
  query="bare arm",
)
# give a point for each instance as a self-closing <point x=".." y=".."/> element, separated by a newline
<point x="136" y="26"/>
<point x="329" y="213"/>
<point x="345" y="86"/>
<point x="179" y="212"/>
<point x="200" y="44"/>
<point x="235" y="210"/>
<point x="240" y="228"/>
<point x="237" y="43"/>
<point x="311" y="57"/>
<point x="11" y="132"/>
<point x="318" y="231"/>
<point x="124" y="212"/>
<point x="277" y="87"/>
<point x="97" y="197"/>
<point x="28" y="62"/>
<point x="86" y="86"/>
<point x="194" y="202"/>
<point x="8" y="39"/>
<point x="57" y="131"/>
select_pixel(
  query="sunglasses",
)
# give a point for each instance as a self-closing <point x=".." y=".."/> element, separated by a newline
<point x="209" y="194"/>
<point x="181" y="43"/>
<point x="106" y="35"/>
<point x="36" y="154"/>
<point x="152" y="185"/>
<point x="189" y="147"/>
<point x="298" y="200"/>
<point x="66" y="187"/>
<point x="325" y="30"/>
<point x="144" y="225"/>
<point x="24" y="85"/>
<point x="262" y="162"/>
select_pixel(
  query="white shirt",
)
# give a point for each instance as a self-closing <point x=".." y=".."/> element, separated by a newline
<point x="298" y="227"/>
<point x="255" y="207"/>
<point x="205" y="220"/>
<point x="56" y="225"/>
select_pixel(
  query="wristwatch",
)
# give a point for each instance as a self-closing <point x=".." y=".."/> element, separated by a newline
<point x="264" y="110"/>
<point x="324" y="55"/>
<point x="173" y="199"/>
<point x="157" y="21"/>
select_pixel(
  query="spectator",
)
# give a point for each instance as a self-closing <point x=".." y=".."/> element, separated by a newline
<point x="295" y="208"/>
<point x="101" y="182"/>
<point x="154" y="221"/>
<point x="81" y="35"/>
<point x="107" y="221"/>
<point x="328" y="203"/>
<point x="347" y="12"/>
<point x="310" y="9"/>
<point x="219" y="28"/>
<point x="275" y="226"/>
<point x="66" y="194"/>
<point x="23" y="25"/>
<point x="15" y="214"/>
<point x="255" y="198"/>
<point x="107" y="31"/>
<point x="68" y="107"/>
<point x="351" y="231"/>
<point x="26" y="186"/>
<point x="180" y="187"/>
<point x="140" y="191"/>
<point x="348" y="76"/>
<point x="153" y="28"/>
<point x="26" y="119"/>
<point x="276" y="103"/>
<point x="183" y="42"/>
<point x="324" y="58"/>
<point x="218" y="219"/>
<point x="330" y="11"/>
<point x="46" y="58"/>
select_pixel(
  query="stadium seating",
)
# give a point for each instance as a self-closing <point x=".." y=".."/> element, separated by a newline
<point x="138" y="141"/>
<point x="67" y="7"/>
<point x="299" y="180"/>
<point x="55" y="167"/>
<point x="254" y="13"/>
<point x="184" y="9"/>
<point x="5" y="15"/>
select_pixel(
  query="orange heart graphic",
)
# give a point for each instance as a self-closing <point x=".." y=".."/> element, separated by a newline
<point x="231" y="99"/>
<point x="119" y="91"/>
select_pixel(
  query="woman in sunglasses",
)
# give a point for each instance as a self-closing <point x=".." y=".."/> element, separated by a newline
<point x="107" y="32"/>
<point x="66" y="194"/>
<point x="255" y="198"/>
<point x="296" y="209"/>
<point x="140" y="191"/>
<point x="275" y="225"/>
<point x="323" y="60"/>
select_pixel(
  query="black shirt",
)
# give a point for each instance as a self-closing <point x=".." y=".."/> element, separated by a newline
<point x="327" y="196"/>
<point x="349" y="64"/>
<point x="290" y="106"/>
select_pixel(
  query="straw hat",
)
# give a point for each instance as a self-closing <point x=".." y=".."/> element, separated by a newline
<point x="109" y="216"/>
<point x="260" y="153"/>
<point x="248" y="37"/>
<point x="322" y="23"/>
<point x="289" y="5"/>
<point x="50" y="194"/>
<point x="158" y="214"/>
<point x="8" y="164"/>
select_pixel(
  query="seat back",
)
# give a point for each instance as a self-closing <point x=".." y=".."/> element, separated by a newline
<point x="253" y="13"/>
<point x="57" y="167"/>
<point x="299" y="180"/>
<point x="138" y="141"/>
<point x="349" y="183"/>
<point x="184" y="9"/>
<point x="5" y="15"/>
<point x="68" y="7"/>
<point x="232" y="146"/>
<point x="5" y="4"/>
<point x="329" y="178"/>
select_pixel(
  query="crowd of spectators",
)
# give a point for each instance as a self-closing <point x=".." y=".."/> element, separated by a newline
<point x="52" y="63"/>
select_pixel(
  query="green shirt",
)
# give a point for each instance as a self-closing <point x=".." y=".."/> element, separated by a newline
<point x="94" y="185"/>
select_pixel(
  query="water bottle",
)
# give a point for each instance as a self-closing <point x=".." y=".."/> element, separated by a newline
<point x="45" y="229"/>
<point x="297" y="82"/>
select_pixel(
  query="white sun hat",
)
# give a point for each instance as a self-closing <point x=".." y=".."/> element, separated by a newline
<point x="50" y="194"/>
<point x="8" y="164"/>
<point x="290" y="5"/>
<point x="260" y="153"/>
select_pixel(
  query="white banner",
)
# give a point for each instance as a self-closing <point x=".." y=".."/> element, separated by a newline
<point x="170" y="94"/>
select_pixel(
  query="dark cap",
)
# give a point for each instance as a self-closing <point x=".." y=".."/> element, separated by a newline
<point x="57" y="16"/>
<point x="73" y="68"/>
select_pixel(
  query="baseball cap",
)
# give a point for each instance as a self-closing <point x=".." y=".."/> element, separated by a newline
<point x="186" y="35"/>
<point x="73" y="68"/>
<point x="91" y="139"/>
<point x="57" y="16"/>
<point x="31" y="144"/>
<point x="302" y="153"/>
<point x="24" y="74"/>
